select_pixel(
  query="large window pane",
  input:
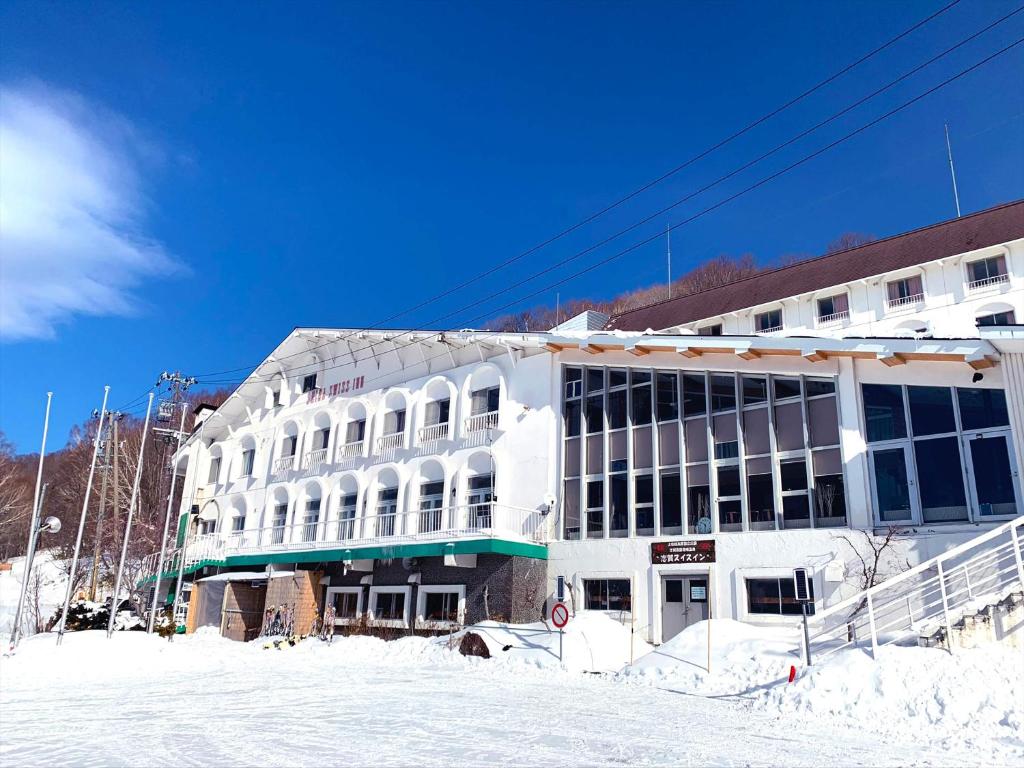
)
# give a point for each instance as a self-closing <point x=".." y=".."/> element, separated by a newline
<point x="617" y="446"/>
<point x="728" y="481"/>
<point x="723" y="392"/>
<point x="981" y="408"/>
<point x="993" y="477"/>
<point x="931" y="410"/>
<point x="789" y="426"/>
<point x="595" y="414"/>
<point x="595" y="455"/>
<point x="755" y="431"/>
<point x="786" y="387"/>
<point x="760" y="499"/>
<point x="883" y="412"/>
<point x="595" y="509"/>
<point x="824" y="422"/>
<point x="694" y="397"/>
<point x="668" y="443"/>
<point x="940" y="479"/>
<point x="671" y="505"/>
<point x="642" y="401"/>
<point x="829" y="501"/>
<point x="573" y="411"/>
<point x="572" y="457"/>
<point x="617" y="409"/>
<point x="595" y="379"/>
<point x="755" y="390"/>
<point x="571" y="509"/>
<point x="796" y="512"/>
<point x="695" y="435"/>
<point x="892" y="489"/>
<point x="643" y="504"/>
<point x="667" y="395"/>
<point x="643" y="455"/>
<point x="618" y="518"/>
<point x="730" y="516"/>
<point x="793" y="475"/>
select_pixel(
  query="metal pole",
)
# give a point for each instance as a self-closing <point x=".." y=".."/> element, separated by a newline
<point x="1016" y="553"/>
<point x="94" y="578"/>
<point x="711" y="571"/>
<point x="871" y="626"/>
<point x="807" y="634"/>
<point x="128" y="524"/>
<point x="81" y="520"/>
<point x="560" y="633"/>
<point x="952" y="171"/>
<point x="167" y="522"/>
<point x="30" y="557"/>
<point x="945" y="607"/>
<point x="188" y="511"/>
<point x="31" y="545"/>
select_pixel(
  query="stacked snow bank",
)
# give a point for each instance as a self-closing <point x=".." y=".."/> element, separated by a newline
<point x="592" y="642"/>
<point x="959" y="697"/>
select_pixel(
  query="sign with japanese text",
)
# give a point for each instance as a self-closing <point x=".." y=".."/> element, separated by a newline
<point x="681" y="552"/>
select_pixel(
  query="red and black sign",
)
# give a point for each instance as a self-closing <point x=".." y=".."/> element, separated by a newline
<point x="682" y="552"/>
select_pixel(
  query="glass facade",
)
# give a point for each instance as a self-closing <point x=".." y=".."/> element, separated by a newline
<point x="657" y="452"/>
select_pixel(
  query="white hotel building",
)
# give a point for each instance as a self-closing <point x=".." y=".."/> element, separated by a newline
<point x="417" y="478"/>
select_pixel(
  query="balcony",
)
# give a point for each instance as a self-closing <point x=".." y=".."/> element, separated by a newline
<point x="389" y="443"/>
<point x="352" y="450"/>
<point x="836" y="318"/>
<point x="283" y="464"/>
<point x="770" y="329"/>
<point x="988" y="282"/>
<point x="433" y="432"/>
<point x="313" y="460"/>
<point x="466" y="521"/>
<point x="481" y="421"/>
<point x="903" y="302"/>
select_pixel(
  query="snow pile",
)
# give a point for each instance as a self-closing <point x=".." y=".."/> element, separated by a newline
<point x="593" y="642"/>
<point x="45" y="592"/>
<point x="972" y="691"/>
<point x="744" y="659"/>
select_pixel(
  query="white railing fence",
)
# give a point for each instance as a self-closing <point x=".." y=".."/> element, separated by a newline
<point x="432" y="432"/>
<point x="351" y="450"/>
<point x="283" y="464"/>
<point x="313" y="460"/>
<point x="904" y="301"/>
<point x="930" y="597"/>
<point x="985" y="282"/>
<point x="481" y="421"/>
<point x="390" y="442"/>
<point x="835" y="317"/>
<point x="466" y="521"/>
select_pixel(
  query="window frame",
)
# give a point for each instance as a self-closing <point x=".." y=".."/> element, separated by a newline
<point x="340" y="621"/>
<point x="372" y="607"/>
<point x="421" y="605"/>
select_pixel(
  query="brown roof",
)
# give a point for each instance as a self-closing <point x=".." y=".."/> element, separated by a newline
<point x="948" y="238"/>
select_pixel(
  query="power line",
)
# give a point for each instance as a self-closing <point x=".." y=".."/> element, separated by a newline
<point x="552" y="267"/>
<point x="648" y="185"/>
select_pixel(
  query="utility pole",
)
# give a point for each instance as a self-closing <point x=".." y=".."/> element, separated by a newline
<point x="668" y="246"/>
<point x="952" y="171"/>
<point x="179" y="386"/>
<point x="112" y="418"/>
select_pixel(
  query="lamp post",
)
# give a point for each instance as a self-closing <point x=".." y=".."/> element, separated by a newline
<point x="49" y="525"/>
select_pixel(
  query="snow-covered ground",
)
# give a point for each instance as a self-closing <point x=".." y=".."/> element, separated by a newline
<point x="45" y="592"/>
<point x="202" y="700"/>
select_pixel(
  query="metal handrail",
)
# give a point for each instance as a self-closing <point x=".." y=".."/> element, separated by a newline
<point x="931" y="595"/>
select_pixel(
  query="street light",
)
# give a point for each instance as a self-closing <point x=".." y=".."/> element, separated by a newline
<point x="50" y="525"/>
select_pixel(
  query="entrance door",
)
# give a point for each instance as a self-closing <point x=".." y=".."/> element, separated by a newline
<point x="995" y="487"/>
<point x="894" y="499"/>
<point x="684" y="601"/>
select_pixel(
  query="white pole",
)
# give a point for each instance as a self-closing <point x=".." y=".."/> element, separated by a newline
<point x="128" y="525"/>
<point x="81" y="520"/>
<point x="710" y="607"/>
<point x="167" y="521"/>
<point x="668" y="242"/>
<point x="952" y="171"/>
<point x="188" y="511"/>
<point x="30" y="548"/>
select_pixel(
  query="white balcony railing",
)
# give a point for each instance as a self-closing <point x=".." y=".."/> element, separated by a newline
<point x="482" y="421"/>
<point x="283" y="464"/>
<point x="834" y="318"/>
<point x="432" y="432"/>
<point x="770" y="329"/>
<point x="466" y="521"/>
<point x="904" y="301"/>
<point x="392" y="442"/>
<point x="352" y="450"/>
<point x="313" y="460"/>
<point x="987" y="282"/>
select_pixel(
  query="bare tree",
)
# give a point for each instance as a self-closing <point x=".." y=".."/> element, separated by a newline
<point x="876" y="558"/>
<point x="848" y="240"/>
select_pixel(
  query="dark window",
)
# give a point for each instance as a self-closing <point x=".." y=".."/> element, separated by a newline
<point x="761" y="501"/>
<point x="641" y="399"/>
<point x="394" y="422"/>
<point x="987" y="269"/>
<point x="248" y="459"/>
<point x="817" y="387"/>
<point x="931" y="410"/>
<point x="215" y="469"/>
<point x="573" y="382"/>
<point x="786" y="387"/>
<point x="673" y="590"/>
<point x="619" y="516"/>
<point x="883" y="411"/>
<point x="694" y="397"/>
<point x="595" y="414"/>
<point x="238" y="523"/>
<point x="796" y="512"/>
<point x="595" y="509"/>
<point x="997" y="318"/>
<point x="309" y="382"/>
<point x="484" y="401"/>
<point x="730" y="516"/>
<point x="723" y="393"/>
<point x="643" y="503"/>
<point x="671" y="504"/>
<point x="667" y="397"/>
<point x="573" y="412"/>
<point x="710" y="330"/>
<point x="829" y="501"/>
<point x="617" y="409"/>
<point x="322" y="438"/>
<point x="571" y="509"/>
<point x="595" y="380"/>
<point x="291" y="444"/>
<point x="833" y="305"/>
<point x="346" y="605"/>
<point x="606" y="594"/>
<point x="728" y="481"/>
<point x="755" y="390"/>
<point x="768" y="321"/>
<point x="793" y="475"/>
<point x="900" y="291"/>
<point x="390" y="606"/>
<point x="940" y="479"/>
<point x="616" y="378"/>
<point x="776" y="596"/>
<point x="441" y="606"/>
<point x="981" y="408"/>
<point x="438" y="412"/>
<point x="355" y="431"/>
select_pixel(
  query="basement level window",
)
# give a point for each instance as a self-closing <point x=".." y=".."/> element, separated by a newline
<point x="606" y="594"/>
<point x="776" y="597"/>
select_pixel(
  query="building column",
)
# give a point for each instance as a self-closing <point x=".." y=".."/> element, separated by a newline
<point x="854" y="447"/>
<point x="1013" y="381"/>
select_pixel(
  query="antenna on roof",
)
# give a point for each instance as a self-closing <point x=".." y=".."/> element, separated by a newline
<point x="558" y="308"/>
<point x="668" y="246"/>
<point x="952" y="171"/>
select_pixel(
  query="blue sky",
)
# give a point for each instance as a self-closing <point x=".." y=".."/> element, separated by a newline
<point x="189" y="181"/>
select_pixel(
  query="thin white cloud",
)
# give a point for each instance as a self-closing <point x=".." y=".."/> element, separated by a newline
<point x="72" y="212"/>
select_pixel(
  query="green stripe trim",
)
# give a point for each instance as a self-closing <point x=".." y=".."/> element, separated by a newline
<point x="426" y="549"/>
<point x="174" y="574"/>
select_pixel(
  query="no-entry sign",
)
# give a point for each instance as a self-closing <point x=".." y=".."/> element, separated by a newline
<point x="559" y="615"/>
